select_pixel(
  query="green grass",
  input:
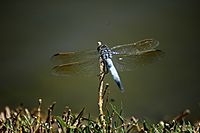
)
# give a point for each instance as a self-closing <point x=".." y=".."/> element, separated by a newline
<point x="23" y="120"/>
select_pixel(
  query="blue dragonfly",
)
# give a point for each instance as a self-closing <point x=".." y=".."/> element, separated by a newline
<point x="125" y="58"/>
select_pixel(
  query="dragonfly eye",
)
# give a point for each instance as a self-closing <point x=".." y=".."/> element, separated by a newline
<point x="99" y="43"/>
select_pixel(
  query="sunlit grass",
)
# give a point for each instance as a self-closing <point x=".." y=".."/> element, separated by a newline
<point x="23" y="120"/>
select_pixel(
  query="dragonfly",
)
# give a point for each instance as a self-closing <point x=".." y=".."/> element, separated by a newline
<point x="122" y="57"/>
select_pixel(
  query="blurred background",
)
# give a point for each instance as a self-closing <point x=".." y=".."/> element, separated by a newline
<point x="31" y="32"/>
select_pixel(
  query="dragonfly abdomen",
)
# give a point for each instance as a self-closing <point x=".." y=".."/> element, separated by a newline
<point x="114" y="73"/>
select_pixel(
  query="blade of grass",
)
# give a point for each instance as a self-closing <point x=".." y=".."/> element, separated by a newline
<point x="79" y="116"/>
<point x="117" y="113"/>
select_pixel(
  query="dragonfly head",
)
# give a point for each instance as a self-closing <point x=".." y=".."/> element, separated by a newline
<point x="99" y="45"/>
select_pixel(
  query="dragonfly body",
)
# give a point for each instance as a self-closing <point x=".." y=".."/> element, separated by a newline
<point x="106" y="55"/>
<point x="124" y="56"/>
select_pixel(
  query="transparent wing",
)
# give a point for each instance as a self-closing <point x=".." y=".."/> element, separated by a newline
<point x="131" y="62"/>
<point x="70" y="57"/>
<point x="86" y="68"/>
<point x="136" y="48"/>
<point x="72" y="63"/>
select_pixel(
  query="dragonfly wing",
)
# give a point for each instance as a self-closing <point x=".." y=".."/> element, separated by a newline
<point x="71" y="57"/>
<point x="131" y="62"/>
<point x="77" y="68"/>
<point x="136" y="48"/>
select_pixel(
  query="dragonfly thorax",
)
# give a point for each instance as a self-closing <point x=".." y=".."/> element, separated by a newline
<point x="104" y="51"/>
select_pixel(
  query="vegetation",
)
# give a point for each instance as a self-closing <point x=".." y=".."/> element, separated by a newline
<point x="23" y="120"/>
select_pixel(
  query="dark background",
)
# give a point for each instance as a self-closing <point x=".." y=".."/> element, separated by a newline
<point x="31" y="32"/>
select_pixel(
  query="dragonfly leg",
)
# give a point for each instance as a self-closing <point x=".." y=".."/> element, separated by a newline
<point x="106" y="70"/>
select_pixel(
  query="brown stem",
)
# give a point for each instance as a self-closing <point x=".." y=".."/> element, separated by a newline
<point x="100" y="96"/>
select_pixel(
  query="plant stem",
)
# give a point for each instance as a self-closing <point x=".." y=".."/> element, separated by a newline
<point x="100" y="92"/>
